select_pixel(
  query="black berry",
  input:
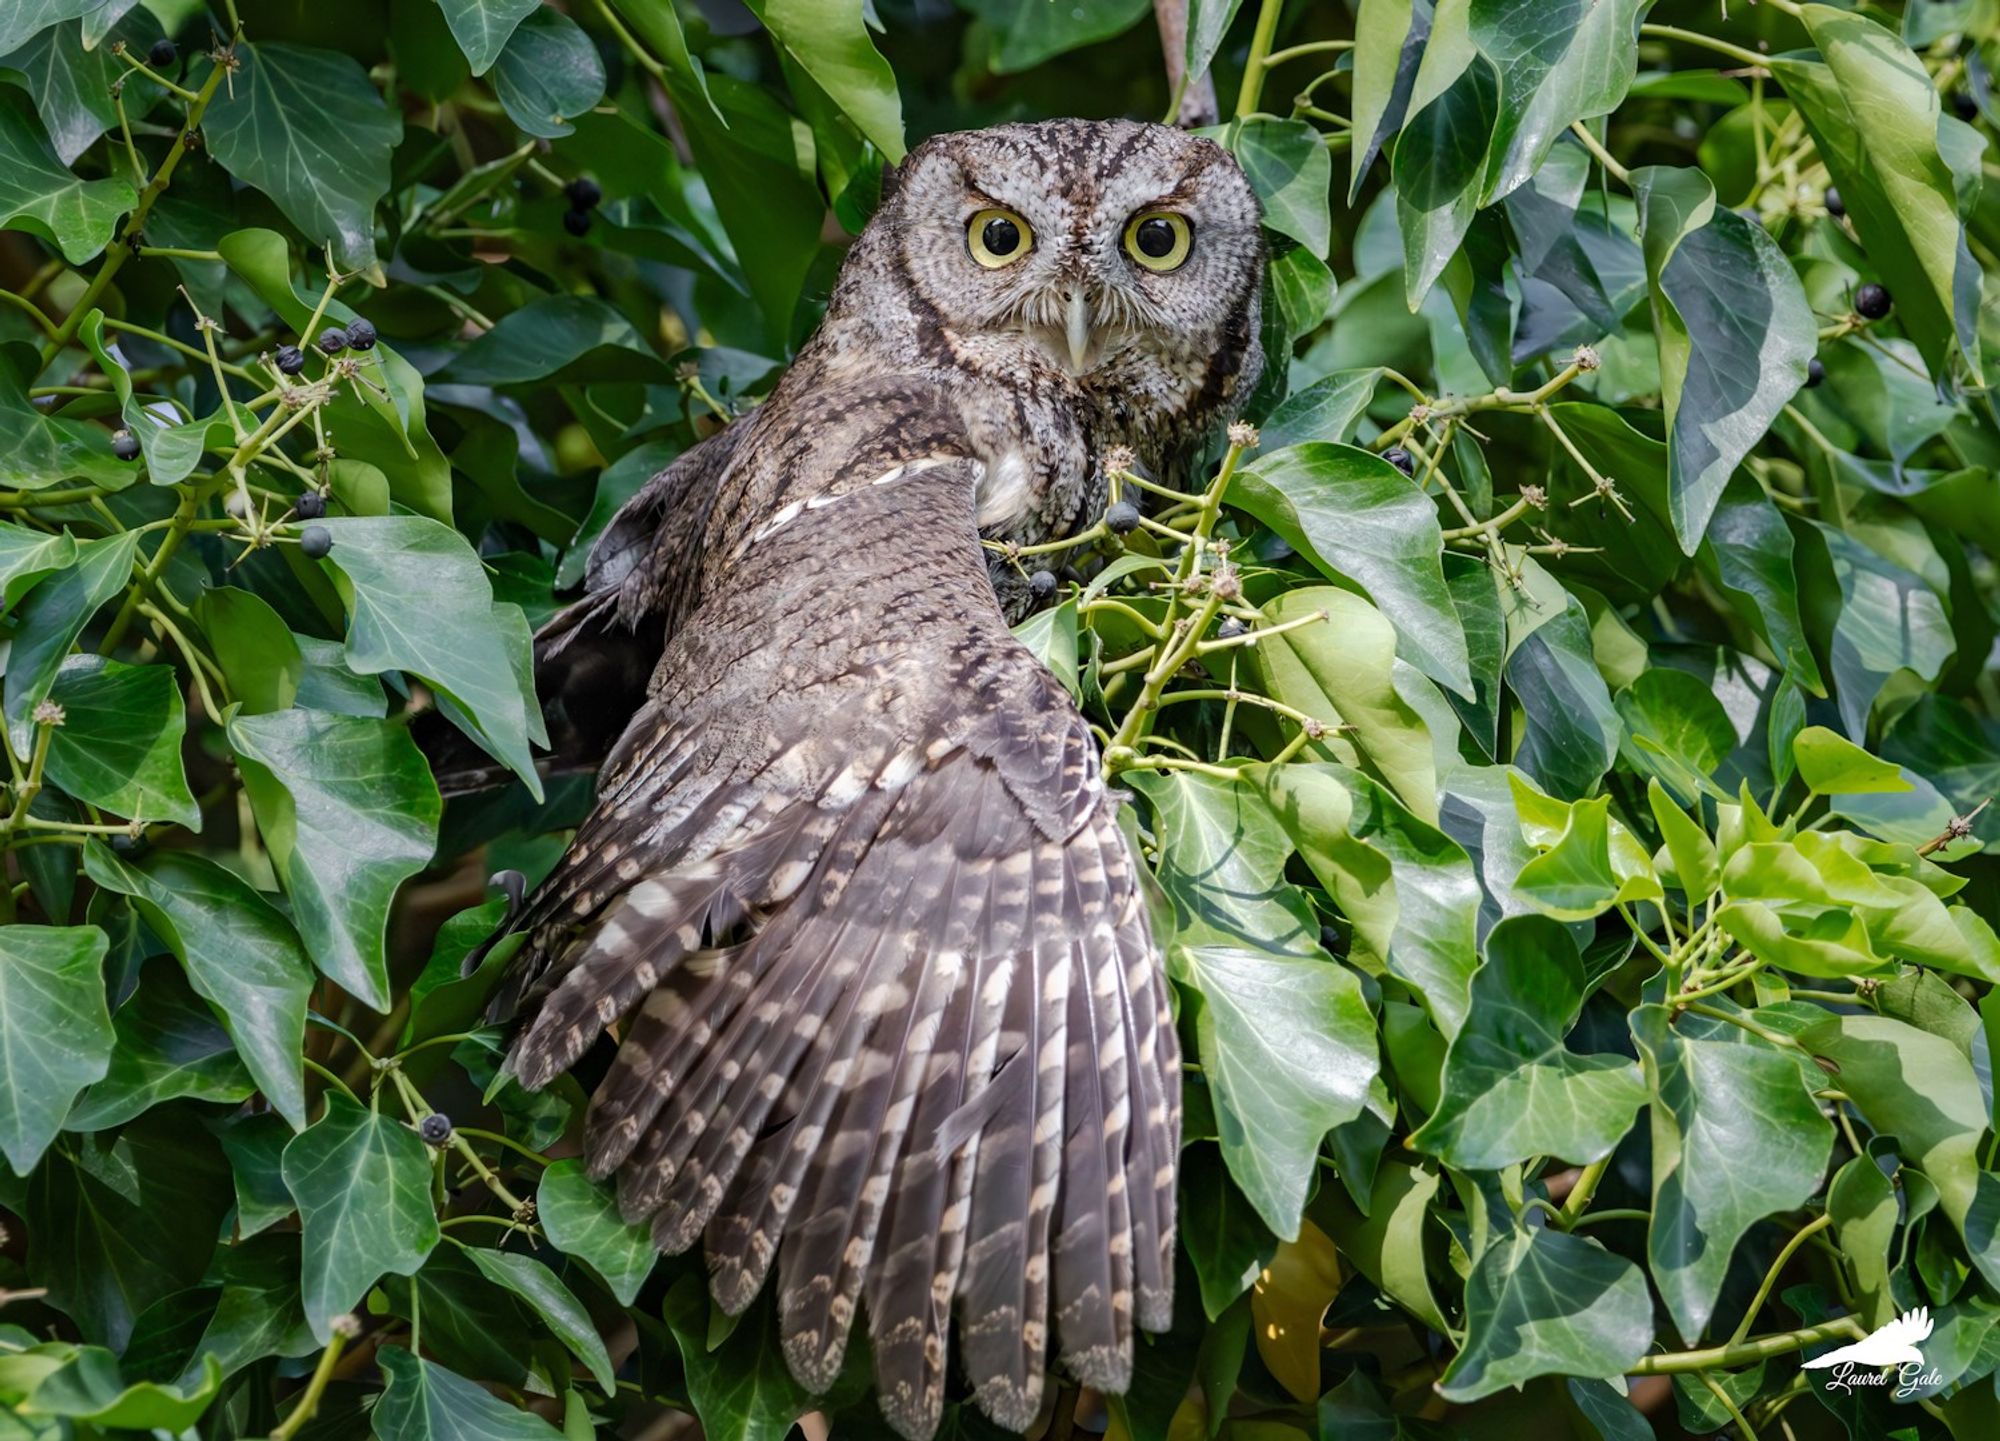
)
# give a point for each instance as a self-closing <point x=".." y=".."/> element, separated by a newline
<point x="315" y="541"/>
<point x="333" y="340"/>
<point x="1835" y="206"/>
<point x="360" y="335"/>
<point x="1122" y="518"/>
<point x="1871" y="301"/>
<point x="1042" y="584"/>
<point x="1815" y="372"/>
<point x="291" y="360"/>
<point x="435" y="1128"/>
<point x="310" y="506"/>
<point x="1230" y="628"/>
<point x="125" y="445"/>
<point x="1401" y="459"/>
<point x="1964" y="105"/>
<point x="576" y="222"/>
<point x="162" y="54"/>
<point x="583" y="193"/>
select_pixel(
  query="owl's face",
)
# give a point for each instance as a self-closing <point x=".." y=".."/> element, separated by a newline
<point x="1121" y="254"/>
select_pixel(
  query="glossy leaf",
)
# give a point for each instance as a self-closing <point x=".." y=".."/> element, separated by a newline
<point x="55" y="1033"/>
<point x="482" y="27"/>
<point x="832" y="43"/>
<point x="51" y="619"/>
<point x="41" y="197"/>
<point x="168" y="1047"/>
<point x="558" y="1308"/>
<point x="582" y="1220"/>
<point x="549" y="72"/>
<point x="119" y="746"/>
<point x="425" y="1402"/>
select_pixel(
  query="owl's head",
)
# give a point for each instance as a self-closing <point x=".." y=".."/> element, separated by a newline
<point x="1122" y="255"/>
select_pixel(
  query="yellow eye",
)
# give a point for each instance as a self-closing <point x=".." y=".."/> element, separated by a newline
<point x="1159" y="240"/>
<point x="998" y="238"/>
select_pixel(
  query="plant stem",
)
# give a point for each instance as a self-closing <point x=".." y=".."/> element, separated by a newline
<point x="1805" y="1233"/>
<point x="309" y="1399"/>
<point x="1740" y="1353"/>
<point x="1259" y="61"/>
<point x="123" y="248"/>
<point x="1578" y="1200"/>
<point x="1598" y="153"/>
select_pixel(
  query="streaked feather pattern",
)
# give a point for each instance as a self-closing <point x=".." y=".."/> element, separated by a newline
<point x="893" y="1024"/>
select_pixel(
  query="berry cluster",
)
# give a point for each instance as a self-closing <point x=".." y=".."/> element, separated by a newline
<point x="584" y="196"/>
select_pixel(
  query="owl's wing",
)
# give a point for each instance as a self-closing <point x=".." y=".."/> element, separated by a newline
<point x="897" y="1022"/>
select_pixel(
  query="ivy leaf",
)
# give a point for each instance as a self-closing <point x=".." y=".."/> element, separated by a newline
<point x="581" y="1219"/>
<point x="1921" y="1089"/>
<point x="1832" y="765"/>
<point x="348" y="811"/>
<point x="168" y="1047"/>
<point x="1328" y="409"/>
<point x="123" y="1220"/>
<point x="1734" y="333"/>
<point x="259" y="655"/>
<point x="255" y="1145"/>
<point x="831" y="42"/>
<point x="307" y="128"/>
<point x="1027" y="32"/>
<point x="1512" y="1088"/>
<point x="1675" y="729"/>
<point x="55" y="1033"/>
<point x="1287" y="164"/>
<point x="1719" y="1096"/>
<point x="1356" y="517"/>
<point x="548" y="1298"/>
<point x="88" y="1391"/>
<point x="21" y="19"/>
<point x="119" y="746"/>
<point x="1558" y="61"/>
<point x="419" y="601"/>
<point x="50" y="620"/>
<point x="172" y="451"/>
<point x="482" y="27"/>
<point x="72" y="81"/>
<point x="1748" y="552"/>
<point x="549" y="72"/>
<point x="40" y="196"/>
<point x="258" y="1313"/>
<point x="1573" y="727"/>
<point x="1407" y="888"/>
<point x="1873" y="113"/>
<point x="28" y="557"/>
<point x="741" y="1389"/>
<point x="240" y="955"/>
<point x="572" y="337"/>
<point x="425" y="1402"/>
<point x="1888" y="620"/>
<point x="363" y="1184"/>
<point x="1542" y="1302"/>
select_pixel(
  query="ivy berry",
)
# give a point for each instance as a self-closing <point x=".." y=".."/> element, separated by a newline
<point x="1835" y="206"/>
<point x="125" y="445"/>
<point x="333" y="340"/>
<point x="1815" y="372"/>
<point x="1872" y="302"/>
<point x="1122" y="518"/>
<point x="360" y="335"/>
<point x="1965" y="105"/>
<point x="1230" y="628"/>
<point x="290" y="360"/>
<point x="583" y="193"/>
<point x="315" y="541"/>
<point x="435" y="1128"/>
<point x="311" y="505"/>
<point x="1042" y="584"/>
<point x="576" y="222"/>
<point x="1401" y="459"/>
<point x="163" y="54"/>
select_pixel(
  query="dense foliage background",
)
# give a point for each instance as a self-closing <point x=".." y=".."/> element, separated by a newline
<point x="1559" y="739"/>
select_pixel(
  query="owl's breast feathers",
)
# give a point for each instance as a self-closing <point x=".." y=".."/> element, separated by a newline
<point x="892" y="1018"/>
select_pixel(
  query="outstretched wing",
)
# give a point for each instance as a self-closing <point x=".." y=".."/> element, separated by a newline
<point x="897" y="1026"/>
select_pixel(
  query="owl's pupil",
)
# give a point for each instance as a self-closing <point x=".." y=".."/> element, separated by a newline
<point x="1001" y="236"/>
<point x="1155" y="237"/>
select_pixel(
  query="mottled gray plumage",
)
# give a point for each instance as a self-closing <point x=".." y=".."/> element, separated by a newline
<point x="893" y="1023"/>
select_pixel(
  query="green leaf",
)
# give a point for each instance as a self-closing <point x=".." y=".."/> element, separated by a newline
<point x="1342" y="671"/>
<point x="831" y="42"/>
<point x="23" y="18"/>
<point x="1889" y="620"/>
<point x="1873" y="113"/>
<point x="1027" y="32"/>
<point x="1862" y="1203"/>
<point x="425" y="1402"/>
<point x="1675" y="729"/>
<point x="1288" y="166"/>
<point x="1720" y="1096"/>
<point x="307" y="128"/>
<point x="240" y="955"/>
<point x="1227" y="1242"/>
<point x="1541" y="1303"/>
<point x="363" y="1184"/>
<point x="1387" y="1244"/>
<point x="1408" y="889"/>
<point x="348" y="811"/>
<point x="1389" y="38"/>
<point x="1051" y="635"/>
<point x="1573" y="728"/>
<point x="258" y="1313"/>
<point x="741" y="1388"/>
<point x="119" y="746"/>
<point x="71" y="80"/>
<point x="259" y="655"/>
<point x="89" y="1392"/>
<point x="482" y="27"/>
<point x="1695" y="867"/>
<point x="1734" y="333"/>
<point x="1558" y="61"/>
<point x="1328" y="409"/>
<point x="1512" y="1088"/>
<point x="39" y="451"/>
<point x="576" y="337"/>
<point x="27" y="557"/>
<point x="1208" y="21"/>
<point x="255" y="1145"/>
<point x="172" y="451"/>
<point x="1572" y="880"/>
<point x="418" y="601"/>
<point x="581" y="1219"/>
<point x="1832" y="765"/>
<point x="55" y="1033"/>
<point x="549" y="1299"/>
<point x="1355" y="516"/>
<point x="50" y="620"/>
<point x="1921" y="1089"/>
<point x="168" y="1047"/>
<point x="1748" y="551"/>
<point x="40" y="196"/>
<point x="549" y="72"/>
<point x="119" y="1221"/>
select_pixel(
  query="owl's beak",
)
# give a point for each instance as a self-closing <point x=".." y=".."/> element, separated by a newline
<point x="1078" y="331"/>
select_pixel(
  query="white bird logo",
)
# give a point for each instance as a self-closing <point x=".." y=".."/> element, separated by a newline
<point x="1894" y="1344"/>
